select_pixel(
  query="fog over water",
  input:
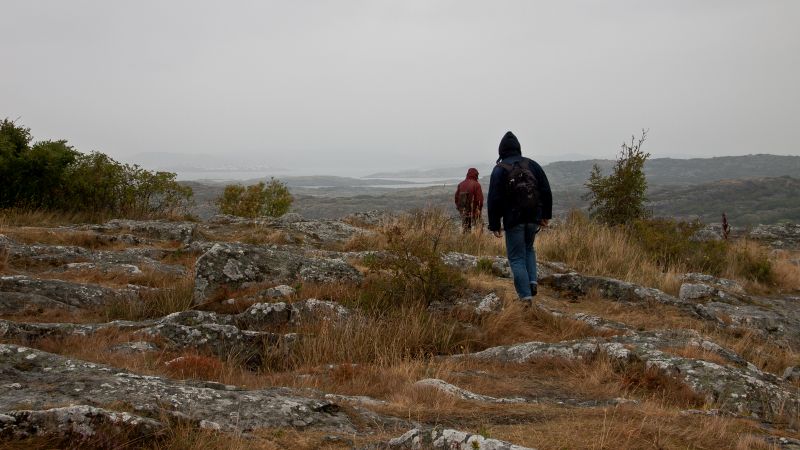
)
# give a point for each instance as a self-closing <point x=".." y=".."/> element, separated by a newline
<point x="354" y="87"/>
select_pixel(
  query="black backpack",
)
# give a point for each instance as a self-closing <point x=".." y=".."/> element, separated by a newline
<point x="522" y="187"/>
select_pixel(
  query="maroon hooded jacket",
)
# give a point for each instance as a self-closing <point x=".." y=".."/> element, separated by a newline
<point x="472" y="187"/>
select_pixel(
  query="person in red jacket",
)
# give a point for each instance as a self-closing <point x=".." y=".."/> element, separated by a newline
<point x="469" y="199"/>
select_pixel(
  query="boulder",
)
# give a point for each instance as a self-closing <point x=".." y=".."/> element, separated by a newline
<point x="181" y="331"/>
<point x="577" y="284"/>
<point x="785" y="236"/>
<point x="235" y="265"/>
<point x="697" y="292"/>
<point x="266" y="315"/>
<point x="33" y="379"/>
<point x="446" y="439"/>
<point x="723" y="284"/>
<point x="317" y="231"/>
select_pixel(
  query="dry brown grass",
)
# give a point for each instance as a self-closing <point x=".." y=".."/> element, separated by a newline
<point x="759" y="350"/>
<point x="149" y="277"/>
<point x="170" y="297"/>
<point x="428" y="222"/>
<point x="627" y="427"/>
<point x="786" y="273"/>
<point x="51" y="236"/>
<point x="4" y="266"/>
<point x="516" y="323"/>
<point x="595" y="249"/>
<point x="386" y="339"/>
<point x="20" y="217"/>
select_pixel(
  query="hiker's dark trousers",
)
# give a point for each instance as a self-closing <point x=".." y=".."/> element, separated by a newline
<point x="522" y="256"/>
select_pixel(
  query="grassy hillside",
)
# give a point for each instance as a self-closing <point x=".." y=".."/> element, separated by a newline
<point x="746" y="201"/>
<point x="684" y="171"/>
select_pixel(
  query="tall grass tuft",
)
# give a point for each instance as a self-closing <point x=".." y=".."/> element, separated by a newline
<point x="169" y="298"/>
<point x="596" y="249"/>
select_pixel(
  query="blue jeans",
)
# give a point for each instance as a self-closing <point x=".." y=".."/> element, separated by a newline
<point x="522" y="256"/>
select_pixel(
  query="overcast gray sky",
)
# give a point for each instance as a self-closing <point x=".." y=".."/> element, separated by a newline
<point x="343" y="86"/>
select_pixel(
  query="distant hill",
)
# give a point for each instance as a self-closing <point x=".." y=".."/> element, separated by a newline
<point x="683" y="171"/>
<point x="658" y="170"/>
<point x="746" y="201"/>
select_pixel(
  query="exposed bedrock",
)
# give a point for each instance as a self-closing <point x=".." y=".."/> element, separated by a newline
<point x="36" y="380"/>
<point x="235" y="265"/>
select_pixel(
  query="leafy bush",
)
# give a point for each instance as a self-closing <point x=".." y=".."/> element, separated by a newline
<point x="52" y="175"/>
<point x="752" y="261"/>
<point x="669" y="243"/>
<point x="272" y="199"/>
<point x="619" y="198"/>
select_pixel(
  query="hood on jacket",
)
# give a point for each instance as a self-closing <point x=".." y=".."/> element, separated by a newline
<point x="509" y="146"/>
<point x="472" y="173"/>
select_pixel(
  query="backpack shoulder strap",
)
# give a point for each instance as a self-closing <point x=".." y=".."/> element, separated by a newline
<point x="508" y="167"/>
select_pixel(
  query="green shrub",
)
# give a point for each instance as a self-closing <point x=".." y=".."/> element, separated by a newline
<point x="669" y="243"/>
<point x="52" y="175"/>
<point x="414" y="261"/>
<point x="619" y="198"/>
<point x="751" y="261"/>
<point x="272" y="199"/>
<point x="485" y="266"/>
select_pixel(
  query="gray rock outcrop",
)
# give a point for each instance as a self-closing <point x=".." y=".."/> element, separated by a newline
<point x="157" y="229"/>
<point x="785" y="236"/>
<point x="464" y="394"/>
<point x="720" y="301"/>
<point x="242" y="335"/>
<point x="235" y="265"/>
<point x="38" y="380"/>
<point x="77" y="424"/>
<point x="447" y="439"/>
<point x="317" y="231"/>
<point x="737" y="387"/>
<point x="75" y="295"/>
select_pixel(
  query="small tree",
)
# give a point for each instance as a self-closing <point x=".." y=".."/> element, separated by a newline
<point x="278" y="199"/>
<point x="272" y="199"/>
<point x="619" y="198"/>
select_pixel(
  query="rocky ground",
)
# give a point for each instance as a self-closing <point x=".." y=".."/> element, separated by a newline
<point x="258" y="333"/>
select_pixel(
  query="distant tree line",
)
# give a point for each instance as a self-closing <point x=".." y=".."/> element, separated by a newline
<point x="53" y="175"/>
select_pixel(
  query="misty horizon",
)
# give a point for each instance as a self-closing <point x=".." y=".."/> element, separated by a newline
<point x="355" y="87"/>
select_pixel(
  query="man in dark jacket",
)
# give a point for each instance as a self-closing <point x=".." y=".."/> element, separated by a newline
<point x="520" y="223"/>
<point x="469" y="199"/>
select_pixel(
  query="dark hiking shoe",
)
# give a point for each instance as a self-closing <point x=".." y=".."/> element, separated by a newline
<point x="533" y="289"/>
<point x="526" y="301"/>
